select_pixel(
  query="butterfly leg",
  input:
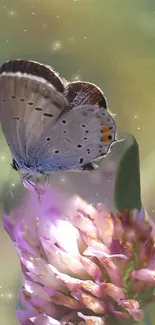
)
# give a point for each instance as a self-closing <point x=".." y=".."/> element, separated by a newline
<point x="45" y="185"/>
<point x="30" y="185"/>
<point x="26" y="179"/>
<point x="42" y="190"/>
<point x="39" y="188"/>
<point x="47" y="181"/>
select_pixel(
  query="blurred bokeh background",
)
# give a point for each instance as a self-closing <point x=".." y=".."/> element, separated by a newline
<point x="110" y="43"/>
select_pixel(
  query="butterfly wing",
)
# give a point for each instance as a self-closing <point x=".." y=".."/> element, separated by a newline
<point x="40" y="127"/>
<point x="29" y="105"/>
<point x="80" y="93"/>
<point x="37" y="69"/>
<point x="77" y="138"/>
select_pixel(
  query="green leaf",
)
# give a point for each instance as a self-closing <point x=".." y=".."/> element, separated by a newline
<point x="127" y="193"/>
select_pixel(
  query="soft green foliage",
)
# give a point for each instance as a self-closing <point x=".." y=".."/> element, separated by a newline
<point x="127" y="193"/>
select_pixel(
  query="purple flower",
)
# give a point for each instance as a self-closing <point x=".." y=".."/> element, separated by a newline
<point x="80" y="264"/>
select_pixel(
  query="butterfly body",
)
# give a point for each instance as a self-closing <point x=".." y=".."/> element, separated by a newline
<point x="51" y="125"/>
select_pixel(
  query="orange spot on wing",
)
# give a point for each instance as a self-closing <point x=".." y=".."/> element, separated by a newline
<point x="105" y="129"/>
<point x="106" y="138"/>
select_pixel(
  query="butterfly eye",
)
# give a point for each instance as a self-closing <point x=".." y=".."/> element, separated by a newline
<point x="14" y="165"/>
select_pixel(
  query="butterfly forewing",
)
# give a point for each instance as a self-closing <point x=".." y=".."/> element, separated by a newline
<point x="81" y="93"/>
<point x="28" y="106"/>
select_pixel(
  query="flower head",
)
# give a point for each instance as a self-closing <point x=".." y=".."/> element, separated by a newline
<point x="80" y="264"/>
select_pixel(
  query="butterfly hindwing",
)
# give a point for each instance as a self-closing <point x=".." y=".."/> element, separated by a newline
<point x="78" y="137"/>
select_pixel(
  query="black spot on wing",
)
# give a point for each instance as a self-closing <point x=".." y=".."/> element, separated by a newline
<point x="48" y="114"/>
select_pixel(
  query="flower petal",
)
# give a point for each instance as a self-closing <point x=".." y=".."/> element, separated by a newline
<point x="91" y="251"/>
<point x="145" y="275"/>
<point x="113" y="291"/>
<point x="92" y="269"/>
<point x="105" y="225"/>
<point x="60" y="299"/>
<point x="118" y="228"/>
<point x="139" y="218"/>
<point x="35" y="289"/>
<point x="74" y="284"/>
<point x="62" y="260"/>
<point x="41" y="301"/>
<point x="93" y="244"/>
<point x="121" y="316"/>
<point x="24" y="317"/>
<point x="145" y="251"/>
<point x="151" y="264"/>
<point x="132" y="307"/>
<point x="97" y="290"/>
<point x="92" y="320"/>
<point x="85" y="225"/>
<point x="43" y="319"/>
<point x="90" y="302"/>
<point x="42" y="271"/>
<point x="113" y="271"/>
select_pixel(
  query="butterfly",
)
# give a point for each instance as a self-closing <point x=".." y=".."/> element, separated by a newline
<point x="51" y="124"/>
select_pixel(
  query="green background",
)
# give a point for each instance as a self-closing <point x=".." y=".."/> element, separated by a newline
<point x="107" y="42"/>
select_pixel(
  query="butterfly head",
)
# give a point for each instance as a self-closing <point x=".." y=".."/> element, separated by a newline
<point x="14" y="165"/>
